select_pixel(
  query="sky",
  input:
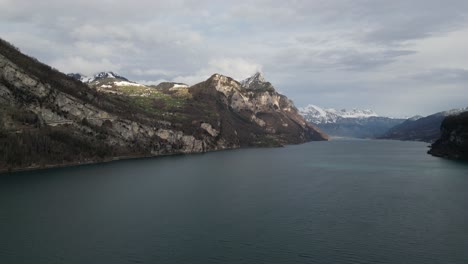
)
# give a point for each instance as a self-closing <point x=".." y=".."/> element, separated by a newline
<point x="399" y="58"/>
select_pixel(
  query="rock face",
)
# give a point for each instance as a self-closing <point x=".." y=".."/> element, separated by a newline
<point x="275" y="118"/>
<point x="425" y="129"/>
<point x="50" y="119"/>
<point x="453" y="143"/>
<point x="257" y="82"/>
<point x="353" y="123"/>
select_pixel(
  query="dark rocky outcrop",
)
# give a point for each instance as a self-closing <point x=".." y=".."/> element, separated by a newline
<point x="453" y="143"/>
<point x="50" y="119"/>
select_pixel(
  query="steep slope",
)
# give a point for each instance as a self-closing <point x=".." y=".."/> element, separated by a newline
<point x="453" y="143"/>
<point x="354" y="123"/>
<point x="426" y="129"/>
<point x="50" y="119"/>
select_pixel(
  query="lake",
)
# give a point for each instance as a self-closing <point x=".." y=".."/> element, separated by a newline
<point x="344" y="201"/>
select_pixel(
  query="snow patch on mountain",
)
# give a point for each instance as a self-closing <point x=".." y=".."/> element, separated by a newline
<point x="176" y="85"/>
<point x="125" y="83"/>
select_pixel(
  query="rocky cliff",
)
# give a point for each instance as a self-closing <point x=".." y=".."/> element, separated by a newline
<point x="453" y="142"/>
<point x="50" y="119"/>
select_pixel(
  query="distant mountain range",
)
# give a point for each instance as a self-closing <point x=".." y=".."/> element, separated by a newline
<point x="426" y="129"/>
<point x="319" y="115"/>
<point x="50" y="119"/>
<point x="353" y="123"/>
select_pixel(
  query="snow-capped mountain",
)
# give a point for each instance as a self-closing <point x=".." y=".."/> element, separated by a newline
<point x="113" y="83"/>
<point x="353" y="123"/>
<point x="318" y="115"/>
<point x="96" y="77"/>
<point x="104" y="80"/>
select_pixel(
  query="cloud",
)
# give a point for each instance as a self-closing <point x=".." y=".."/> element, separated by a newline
<point x="237" y="68"/>
<point x="149" y="72"/>
<point x="339" y="59"/>
<point x="321" y="52"/>
<point x="84" y="66"/>
<point x="442" y="75"/>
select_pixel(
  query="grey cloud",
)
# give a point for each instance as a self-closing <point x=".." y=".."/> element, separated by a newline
<point x="322" y="52"/>
<point x="442" y="75"/>
<point x="355" y="60"/>
<point x="338" y="59"/>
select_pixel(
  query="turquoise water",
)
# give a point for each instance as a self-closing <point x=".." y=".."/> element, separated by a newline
<point x="349" y="201"/>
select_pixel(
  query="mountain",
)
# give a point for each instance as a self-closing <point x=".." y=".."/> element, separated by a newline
<point x="111" y="82"/>
<point x="318" y="115"/>
<point x="453" y="143"/>
<point x="50" y="119"/>
<point x="426" y="129"/>
<point x="99" y="77"/>
<point x="349" y="123"/>
<point x="257" y="82"/>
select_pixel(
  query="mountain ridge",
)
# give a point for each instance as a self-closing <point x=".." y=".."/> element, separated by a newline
<point x="425" y="129"/>
<point x="50" y="119"/>
<point x="353" y="123"/>
<point x="319" y="115"/>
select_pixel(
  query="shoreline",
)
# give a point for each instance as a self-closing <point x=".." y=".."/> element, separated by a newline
<point x="93" y="162"/>
<point x="120" y="158"/>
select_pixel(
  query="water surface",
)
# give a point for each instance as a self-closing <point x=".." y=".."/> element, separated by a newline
<point x="349" y="201"/>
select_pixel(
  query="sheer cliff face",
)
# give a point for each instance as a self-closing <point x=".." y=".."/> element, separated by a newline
<point x="48" y="118"/>
<point x="453" y="143"/>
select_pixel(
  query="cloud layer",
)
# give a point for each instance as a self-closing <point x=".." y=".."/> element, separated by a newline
<point x="398" y="57"/>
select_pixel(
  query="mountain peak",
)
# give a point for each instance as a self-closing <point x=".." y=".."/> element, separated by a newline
<point x="219" y="77"/>
<point x="97" y="76"/>
<point x="257" y="82"/>
<point x="258" y="76"/>
<point x="109" y="75"/>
